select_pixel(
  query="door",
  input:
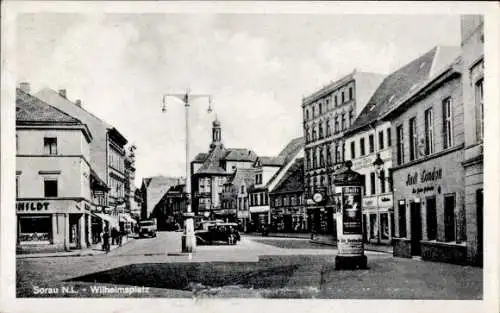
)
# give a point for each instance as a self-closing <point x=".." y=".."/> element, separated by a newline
<point x="416" y="228"/>
<point x="364" y="228"/>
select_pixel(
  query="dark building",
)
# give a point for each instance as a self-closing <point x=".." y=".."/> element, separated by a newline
<point x="168" y="212"/>
<point x="235" y="206"/>
<point x="287" y="201"/>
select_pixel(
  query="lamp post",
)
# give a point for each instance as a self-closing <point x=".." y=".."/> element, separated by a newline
<point x="188" y="237"/>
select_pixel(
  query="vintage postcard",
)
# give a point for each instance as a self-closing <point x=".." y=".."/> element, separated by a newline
<point x="221" y="156"/>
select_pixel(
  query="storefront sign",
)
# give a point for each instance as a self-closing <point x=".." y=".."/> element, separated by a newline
<point x="242" y="214"/>
<point x="367" y="202"/>
<point x="349" y="227"/>
<point x="425" y="176"/>
<point x="385" y="201"/>
<point x="32" y="206"/>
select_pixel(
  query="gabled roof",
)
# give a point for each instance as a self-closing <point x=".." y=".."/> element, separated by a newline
<point x="233" y="154"/>
<point x="291" y="149"/>
<point x="293" y="180"/>
<point x="270" y="161"/>
<point x="212" y="163"/>
<point x="241" y="175"/>
<point x="31" y="110"/>
<point x="399" y="83"/>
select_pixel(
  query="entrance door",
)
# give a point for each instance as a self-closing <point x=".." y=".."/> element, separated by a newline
<point x="479" y="212"/>
<point x="416" y="228"/>
<point x="364" y="228"/>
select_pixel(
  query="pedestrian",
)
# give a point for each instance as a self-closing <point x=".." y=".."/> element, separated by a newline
<point x="105" y="240"/>
<point x="114" y="236"/>
<point x="121" y="233"/>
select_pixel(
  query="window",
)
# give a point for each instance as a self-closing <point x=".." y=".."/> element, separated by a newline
<point x="351" y="118"/>
<point x="362" y="146"/>
<point x="17" y="186"/>
<point x="343" y="97"/>
<point x="372" y="183"/>
<point x="307" y="114"/>
<point x="447" y="124"/>
<point x="315" y="162"/>
<point x="242" y="189"/>
<point x="328" y="156"/>
<point x="17" y="144"/>
<point x="261" y="202"/>
<point x="338" y="153"/>
<point x="429" y="132"/>
<point x="328" y="131"/>
<point x="480" y="109"/>
<point x="400" y="143"/>
<point x="321" y="130"/>
<point x="328" y="104"/>
<point x="381" y="140"/>
<point x="313" y="111"/>
<point x="343" y="125"/>
<point x="320" y="107"/>
<point x="350" y="93"/>
<point x="321" y="157"/>
<point x="363" y="178"/>
<point x="371" y="143"/>
<point x="285" y="201"/>
<point x="337" y="124"/>
<point x="336" y="100"/>
<point x="389" y="143"/>
<point x="50" y="145"/>
<point x="50" y="187"/>
<point x="413" y="138"/>
<point x="353" y="150"/>
<point x="402" y="218"/>
<point x="431" y="218"/>
<point x="382" y="181"/>
<point x="449" y="217"/>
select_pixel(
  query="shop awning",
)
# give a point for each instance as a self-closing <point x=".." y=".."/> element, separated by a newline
<point x="259" y="209"/>
<point x="105" y="217"/>
<point x="127" y="219"/>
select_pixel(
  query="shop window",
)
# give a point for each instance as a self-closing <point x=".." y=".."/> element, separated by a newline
<point x="362" y="146"/>
<point x="372" y="184"/>
<point x="447" y="124"/>
<point x="449" y="217"/>
<point x="381" y="140"/>
<point x="479" y="99"/>
<point x="413" y="138"/>
<point x="373" y="226"/>
<point x="50" y="187"/>
<point x="429" y="132"/>
<point x="402" y="218"/>
<point x="431" y="218"/>
<point x="371" y="143"/>
<point x="389" y="142"/>
<point x="50" y="145"/>
<point x="353" y="150"/>
<point x="400" y="143"/>
<point x="384" y="226"/>
<point x="35" y="228"/>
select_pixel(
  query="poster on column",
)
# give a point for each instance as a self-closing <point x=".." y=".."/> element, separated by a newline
<point x="349" y="222"/>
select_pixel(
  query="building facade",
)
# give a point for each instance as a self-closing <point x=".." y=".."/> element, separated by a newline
<point x="288" y="213"/>
<point x="327" y="114"/>
<point x="210" y="171"/>
<point x="152" y="191"/>
<point x="168" y="212"/>
<point x="472" y="82"/>
<point x="53" y="177"/>
<point x="235" y="206"/>
<point x="427" y="169"/>
<point x="107" y="153"/>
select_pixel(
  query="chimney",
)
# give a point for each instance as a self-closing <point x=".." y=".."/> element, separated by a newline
<point x="78" y="102"/>
<point x="25" y="86"/>
<point x="62" y="93"/>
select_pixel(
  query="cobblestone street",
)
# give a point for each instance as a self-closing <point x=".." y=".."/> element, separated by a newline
<point x="256" y="267"/>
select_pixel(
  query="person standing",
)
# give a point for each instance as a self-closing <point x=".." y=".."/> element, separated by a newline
<point x="105" y="240"/>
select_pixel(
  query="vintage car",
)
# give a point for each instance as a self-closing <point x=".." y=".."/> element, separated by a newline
<point x="147" y="228"/>
<point x="216" y="232"/>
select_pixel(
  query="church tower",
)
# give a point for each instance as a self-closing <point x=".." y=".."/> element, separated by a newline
<point x="216" y="135"/>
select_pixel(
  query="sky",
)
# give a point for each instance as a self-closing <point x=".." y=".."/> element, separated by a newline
<point x="257" y="67"/>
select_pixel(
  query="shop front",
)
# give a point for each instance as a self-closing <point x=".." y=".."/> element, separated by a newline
<point x="52" y="225"/>
<point x="289" y="220"/>
<point x="378" y="219"/>
<point x="259" y="218"/>
<point x="429" y="209"/>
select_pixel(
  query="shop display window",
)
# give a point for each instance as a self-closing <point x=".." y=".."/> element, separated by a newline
<point x="384" y="226"/>
<point x="35" y="228"/>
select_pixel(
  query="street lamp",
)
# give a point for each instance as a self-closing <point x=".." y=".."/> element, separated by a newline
<point x="379" y="166"/>
<point x="188" y="237"/>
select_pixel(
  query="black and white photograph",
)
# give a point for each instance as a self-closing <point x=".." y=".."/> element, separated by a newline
<point x="237" y="151"/>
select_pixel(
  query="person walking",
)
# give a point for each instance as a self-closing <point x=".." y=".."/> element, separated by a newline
<point x="114" y="236"/>
<point x="105" y="240"/>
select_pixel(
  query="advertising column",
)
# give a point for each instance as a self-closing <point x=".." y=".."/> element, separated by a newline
<point x="349" y="220"/>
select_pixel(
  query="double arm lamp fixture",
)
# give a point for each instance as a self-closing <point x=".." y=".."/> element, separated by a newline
<point x="379" y="166"/>
<point x="185" y="98"/>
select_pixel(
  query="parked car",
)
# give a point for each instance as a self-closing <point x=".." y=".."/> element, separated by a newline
<point x="218" y="232"/>
<point x="147" y="228"/>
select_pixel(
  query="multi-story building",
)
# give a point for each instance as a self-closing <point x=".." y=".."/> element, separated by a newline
<point x="168" y="212"/>
<point x="129" y="186"/>
<point x="288" y="212"/>
<point x="153" y="189"/>
<point x="210" y="171"/>
<point x="268" y="172"/>
<point x="53" y="177"/>
<point x="327" y="114"/>
<point x="235" y="207"/>
<point x="107" y="151"/>
<point x="369" y="139"/>
<point x="428" y="175"/>
<point x="472" y="83"/>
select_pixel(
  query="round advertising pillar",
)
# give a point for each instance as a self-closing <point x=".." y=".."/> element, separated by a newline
<point x="348" y="193"/>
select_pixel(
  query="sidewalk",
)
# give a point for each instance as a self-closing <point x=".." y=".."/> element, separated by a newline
<point x="95" y="249"/>
<point x="367" y="246"/>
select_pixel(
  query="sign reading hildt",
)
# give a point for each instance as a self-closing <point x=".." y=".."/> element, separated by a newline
<point x="349" y="221"/>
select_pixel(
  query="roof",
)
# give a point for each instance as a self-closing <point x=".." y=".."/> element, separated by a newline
<point x="293" y="180"/>
<point x="200" y="157"/>
<point x="242" y="175"/>
<point x="233" y="154"/>
<point x="212" y="165"/>
<point x="271" y="161"/>
<point x="31" y="110"/>
<point x="399" y="83"/>
<point x="291" y="149"/>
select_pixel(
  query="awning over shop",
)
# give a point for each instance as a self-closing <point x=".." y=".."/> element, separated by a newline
<point x="127" y="219"/>
<point x="113" y="222"/>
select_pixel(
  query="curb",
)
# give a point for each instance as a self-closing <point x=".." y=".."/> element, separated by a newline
<point x="76" y="254"/>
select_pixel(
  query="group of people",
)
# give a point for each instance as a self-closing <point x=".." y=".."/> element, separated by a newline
<point x="115" y="235"/>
